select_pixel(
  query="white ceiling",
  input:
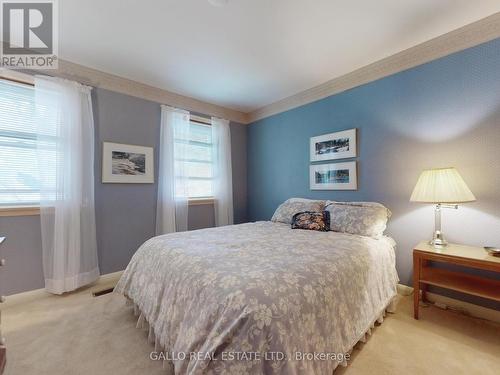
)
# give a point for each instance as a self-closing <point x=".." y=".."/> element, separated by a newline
<point x="250" y="53"/>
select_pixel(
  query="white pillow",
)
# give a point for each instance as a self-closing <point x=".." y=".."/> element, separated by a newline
<point x="361" y="218"/>
<point x="284" y="213"/>
<point x="361" y="204"/>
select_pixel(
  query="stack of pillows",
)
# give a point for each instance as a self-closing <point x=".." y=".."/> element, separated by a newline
<point x="362" y="218"/>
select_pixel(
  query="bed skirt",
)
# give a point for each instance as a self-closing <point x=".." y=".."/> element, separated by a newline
<point x="143" y="324"/>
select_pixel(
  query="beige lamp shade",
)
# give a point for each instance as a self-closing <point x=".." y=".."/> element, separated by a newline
<point x="444" y="185"/>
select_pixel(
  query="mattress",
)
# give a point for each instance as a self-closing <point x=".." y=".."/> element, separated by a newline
<point x="259" y="298"/>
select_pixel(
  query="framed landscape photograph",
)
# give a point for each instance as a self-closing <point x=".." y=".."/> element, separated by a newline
<point x="334" y="176"/>
<point x="127" y="164"/>
<point x="339" y="145"/>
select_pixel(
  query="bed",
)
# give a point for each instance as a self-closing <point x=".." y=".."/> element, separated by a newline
<point x="259" y="298"/>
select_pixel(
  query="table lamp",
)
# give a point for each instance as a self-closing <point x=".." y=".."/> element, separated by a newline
<point x="445" y="188"/>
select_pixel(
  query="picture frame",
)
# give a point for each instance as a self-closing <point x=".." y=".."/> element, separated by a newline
<point x="334" y="176"/>
<point x="127" y="164"/>
<point x="333" y="146"/>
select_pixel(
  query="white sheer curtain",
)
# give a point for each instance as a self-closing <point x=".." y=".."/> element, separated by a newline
<point x="65" y="152"/>
<point x="222" y="172"/>
<point x="173" y="194"/>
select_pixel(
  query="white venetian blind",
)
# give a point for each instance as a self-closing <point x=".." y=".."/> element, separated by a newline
<point x="200" y="160"/>
<point x="19" y="182"/>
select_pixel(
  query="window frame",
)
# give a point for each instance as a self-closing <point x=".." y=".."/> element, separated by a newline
<point x="9" y="211"/>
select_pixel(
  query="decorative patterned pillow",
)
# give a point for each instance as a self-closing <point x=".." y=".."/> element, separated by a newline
<point x="312" y="221"/>
<point x="284" y="213"/>
<point x="362" y="218"/>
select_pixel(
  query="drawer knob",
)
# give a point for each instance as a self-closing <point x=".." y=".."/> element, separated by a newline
<point x="2" y="299"/>
<point x="2" y="341"/>
<point x="2" y="262"/>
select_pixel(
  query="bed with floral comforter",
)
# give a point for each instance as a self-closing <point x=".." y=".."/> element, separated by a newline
<point x="259" y="298"/>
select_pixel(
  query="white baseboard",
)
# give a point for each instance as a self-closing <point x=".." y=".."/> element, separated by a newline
<point x="404" y="290"/>
<point x="463" y="307"/>
<point x="104" y="280"/>
<point x="109" y="279"/>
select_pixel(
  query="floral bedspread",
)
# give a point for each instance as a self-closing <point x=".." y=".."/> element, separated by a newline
<point x="260" y="298"/>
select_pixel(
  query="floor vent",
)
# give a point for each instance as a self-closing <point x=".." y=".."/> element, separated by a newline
<point x="102" y="292"/>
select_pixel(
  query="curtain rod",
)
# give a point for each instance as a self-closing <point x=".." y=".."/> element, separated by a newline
<point x="200" y="120"/>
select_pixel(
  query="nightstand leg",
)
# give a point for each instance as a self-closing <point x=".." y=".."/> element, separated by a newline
<point x="416" y="284"/>
<point x="423" y="287"/>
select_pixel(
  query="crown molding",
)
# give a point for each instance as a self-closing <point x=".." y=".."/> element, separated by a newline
<point x="465" y="37"/>
<point x="457" y="40"/>
<point x="97" y="78"/>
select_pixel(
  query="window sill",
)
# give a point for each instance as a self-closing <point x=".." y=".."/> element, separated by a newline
<point x="6" y="211"/>
<point x="200" y="201"/>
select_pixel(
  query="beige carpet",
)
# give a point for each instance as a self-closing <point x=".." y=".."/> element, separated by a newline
<point x="79" y="334"/>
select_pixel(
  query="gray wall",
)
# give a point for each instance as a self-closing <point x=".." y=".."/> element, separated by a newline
<point x="23" y="252"/>
<point x="125" y="213"/>
<point x="444" y="113"/>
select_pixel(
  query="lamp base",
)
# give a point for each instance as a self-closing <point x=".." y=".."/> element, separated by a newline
<point x="438" y="239"/>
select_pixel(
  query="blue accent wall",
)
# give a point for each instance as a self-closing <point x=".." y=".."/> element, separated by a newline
<point x="443" y="113"/>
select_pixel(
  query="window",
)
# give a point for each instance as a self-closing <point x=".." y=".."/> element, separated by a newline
<point x="199" y="164"/>
<point x="19" y="182"/>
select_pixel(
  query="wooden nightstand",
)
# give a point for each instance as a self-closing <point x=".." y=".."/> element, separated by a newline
<point x="468" y="256"/>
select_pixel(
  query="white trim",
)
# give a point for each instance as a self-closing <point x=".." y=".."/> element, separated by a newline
<point x="465" y="37"/>
<point x="463" y="307"/>
<point x="453" y="304"/>
<point x="109" y="278"/>
<point x="33" y="295"/>
<point x="96" y="78"/>
<point x="8" y="211"/>
<point x="57" y="286"/>
<point x="201" y="201"/>
<point x="404" y="290"/>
